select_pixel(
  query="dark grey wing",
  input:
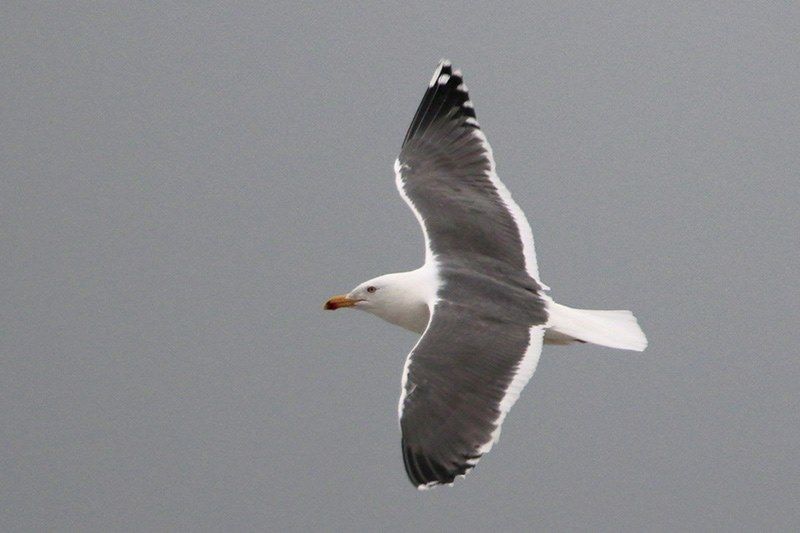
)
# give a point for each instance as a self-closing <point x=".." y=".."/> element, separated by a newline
<point x="461" y="379"/>
<point x="446" y="173"/>
<point x="485" y="333"/>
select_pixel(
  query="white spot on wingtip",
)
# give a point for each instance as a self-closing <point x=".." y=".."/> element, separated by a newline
<point x="457" y="72"/>
<point x="468" y="104"/>
<point x="443" y="63"/>
<point x="472" y="121"/>
<point x="443" y="79"/>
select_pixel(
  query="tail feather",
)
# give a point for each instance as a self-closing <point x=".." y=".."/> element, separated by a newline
<point x="615" y="329"/>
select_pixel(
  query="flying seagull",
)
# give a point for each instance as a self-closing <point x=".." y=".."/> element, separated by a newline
<point x="477" y="300"/>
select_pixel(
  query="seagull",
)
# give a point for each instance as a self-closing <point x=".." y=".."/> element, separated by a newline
<point x="477" y="301"/>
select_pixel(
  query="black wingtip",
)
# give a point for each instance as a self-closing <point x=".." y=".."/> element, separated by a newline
<point x="425" y="472"/>
<point x="447" y="98"/>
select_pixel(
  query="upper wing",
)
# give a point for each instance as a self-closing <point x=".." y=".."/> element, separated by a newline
<point x="485" y="333"/>
<point x="461" y="379"/>
<point x="446" y="173"/>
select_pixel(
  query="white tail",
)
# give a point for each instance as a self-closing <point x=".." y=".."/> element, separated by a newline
<point x="615" y="329"/>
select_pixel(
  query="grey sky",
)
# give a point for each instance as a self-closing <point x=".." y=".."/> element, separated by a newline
<point x="182" y="187"/>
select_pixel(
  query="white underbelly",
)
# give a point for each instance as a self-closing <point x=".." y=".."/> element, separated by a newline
<point x="414" y="318"/>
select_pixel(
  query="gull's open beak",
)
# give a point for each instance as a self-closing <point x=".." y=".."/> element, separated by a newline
<point x="340" y="301"/>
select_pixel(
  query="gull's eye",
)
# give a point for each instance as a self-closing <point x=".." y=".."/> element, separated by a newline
<point x="371" y="289"/>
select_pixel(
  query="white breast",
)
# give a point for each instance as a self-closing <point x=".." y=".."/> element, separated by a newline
<point x="411" y="316"/>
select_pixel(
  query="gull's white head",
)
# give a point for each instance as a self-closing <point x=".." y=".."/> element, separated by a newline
<point x="401" y="298"/>
<point x="376" y="294"/>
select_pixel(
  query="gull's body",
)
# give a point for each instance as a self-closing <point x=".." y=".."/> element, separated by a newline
<point x="477" y="300"/>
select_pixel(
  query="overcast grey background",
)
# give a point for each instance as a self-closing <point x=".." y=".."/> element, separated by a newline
<point x="183" y="186"/>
